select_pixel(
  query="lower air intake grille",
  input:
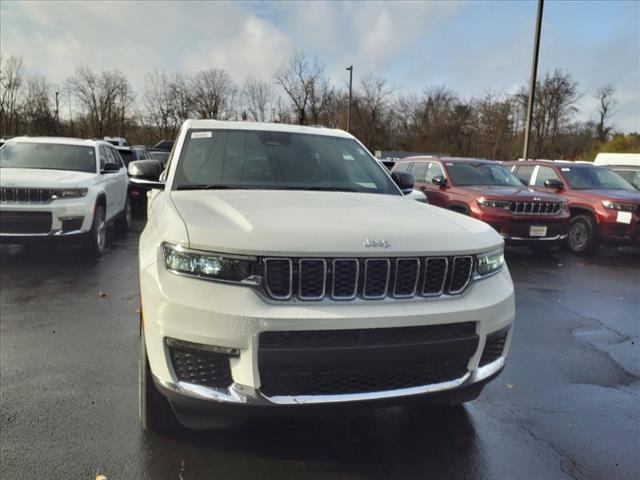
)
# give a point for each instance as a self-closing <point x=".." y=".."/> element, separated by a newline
<point x="494" y="346"/>
<point x="332" y="362"/>
<point x="202" y="367"/>
<point x="25" y="222"/>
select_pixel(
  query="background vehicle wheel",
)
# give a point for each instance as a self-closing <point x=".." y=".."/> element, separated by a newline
<point x="156" y="414"/>
<point x="97" y="240"/>
<point x="123" y="223"/>
<point x="583" y="238"/>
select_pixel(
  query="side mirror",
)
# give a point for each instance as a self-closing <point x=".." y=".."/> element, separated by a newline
<point x="439" y="180"/>
<point x="404" y="180"/>
<point x="110" y="168"/>
<point x="553" y="183"/>
<point x="146" y="173"/>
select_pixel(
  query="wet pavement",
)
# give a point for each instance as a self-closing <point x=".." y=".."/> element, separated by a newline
<point x="566" y="406"/>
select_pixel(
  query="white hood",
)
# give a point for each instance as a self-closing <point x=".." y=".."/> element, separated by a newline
<point x="40" y="178"/>
<point x="325" y="224"/>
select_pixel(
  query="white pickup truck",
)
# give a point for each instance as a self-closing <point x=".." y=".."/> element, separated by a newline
<point x="62" y="189"/>
<point x="282" y="267"/>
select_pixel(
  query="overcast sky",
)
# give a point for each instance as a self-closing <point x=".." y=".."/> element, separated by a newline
<point x="471" y="47"/>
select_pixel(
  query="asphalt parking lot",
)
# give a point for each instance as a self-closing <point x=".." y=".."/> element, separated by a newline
<point x="566" y="406"/>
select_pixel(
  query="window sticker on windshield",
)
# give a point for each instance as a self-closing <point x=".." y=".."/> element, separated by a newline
<point x="449" y="164"/>
<point x="565" y="169"/>
<point x="346" y="156"/>
<point x="201" y="135"/>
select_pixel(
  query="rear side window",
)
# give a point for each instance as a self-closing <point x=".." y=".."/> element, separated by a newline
<point x="435" y="170"/>
<point x="402" y="167"/>
<point x="419" y="171"/>
<point x="524" y="172"/>
<point x="544" y="174"/>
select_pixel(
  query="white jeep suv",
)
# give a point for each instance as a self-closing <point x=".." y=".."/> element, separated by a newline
<point x="62" y="188"/>
<point x="282" y="267"/>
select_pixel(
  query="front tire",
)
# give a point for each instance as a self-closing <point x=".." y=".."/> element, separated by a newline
<point x="583" y="237"/>
<point x="96" y="243"/>
<point x="156" y="414"/>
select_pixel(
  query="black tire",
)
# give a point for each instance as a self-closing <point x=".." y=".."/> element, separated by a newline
<point x="96" y="242"/>
<point x="123" y="223"/>
<point x="156" y="414"/>
<point x="583" y="236"/>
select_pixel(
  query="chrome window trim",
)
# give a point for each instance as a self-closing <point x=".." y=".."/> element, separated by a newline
<point x="364" y="285"/>
<point x="266" y="280"/>
<point x="324" y="278"/>
<point x="453" y="269"/>
<point x="415" y="283"/>
<point x="333" y="278"/>
<point x="444" y="278"/>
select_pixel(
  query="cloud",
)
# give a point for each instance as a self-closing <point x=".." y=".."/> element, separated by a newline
<point x="469" y="46"/>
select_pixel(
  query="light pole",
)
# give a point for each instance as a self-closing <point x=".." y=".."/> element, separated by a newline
<point x="350" y="68"/>
<point x="532" y="81"/>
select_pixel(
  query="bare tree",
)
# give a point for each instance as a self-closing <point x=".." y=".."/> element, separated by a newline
<point x="372" y="108"/>
<point x="159" y="108"/>
<point x="297" y="78"/>
<point x="213" y="94"/>
<point x="103" y="99"/>
<point x="11" y="86"/>
<point x="38" y="112"/>
<point x="258" y="99"/>
<point x="556" y="98"/>
<point x="606" y="109"/>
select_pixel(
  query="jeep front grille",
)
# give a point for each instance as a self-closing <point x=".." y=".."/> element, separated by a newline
<point x="25" y="195"/>
<point x="366" y="278"/>
<point x="535" y="208"/>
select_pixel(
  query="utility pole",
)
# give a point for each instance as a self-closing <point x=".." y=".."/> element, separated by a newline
<point x="532" y="81"/>
<point x="57" y="110"/>
<point x="350" y="68"/>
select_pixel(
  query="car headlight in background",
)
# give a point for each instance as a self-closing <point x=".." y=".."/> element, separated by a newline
<point x="620" y="207"/>
<point x="211" y="266"/>
<point x="484" y="203"/>
<point x="68" y="193"/>
<point x="490" y="262"/>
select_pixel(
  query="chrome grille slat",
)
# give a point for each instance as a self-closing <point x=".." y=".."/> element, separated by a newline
<point x="535" y="208"/>
<point x="371" y="278"/>
<point x="24" y="195"/>
<point x="368" y="277"/>
<point x="410" y="264"/>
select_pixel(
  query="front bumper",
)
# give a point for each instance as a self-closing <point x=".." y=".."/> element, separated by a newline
<point x="69" y="217"/>
<point x="610" y="230"/>
<point x="233" y="317"/>
<point x="521" y="229"/>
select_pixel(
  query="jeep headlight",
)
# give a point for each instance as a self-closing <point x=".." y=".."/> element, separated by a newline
<point x="211" y="266"/>
<point x="621" y="207"/>
<point x="68" y="193"/>
<point x="485" y="203"/>
<point x="490" y="262"/>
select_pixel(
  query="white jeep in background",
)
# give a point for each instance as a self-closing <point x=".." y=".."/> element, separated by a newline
<point x="62" y="188"/>
<point x="282" y="267"/>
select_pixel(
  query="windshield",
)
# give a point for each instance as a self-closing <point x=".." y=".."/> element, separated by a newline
<point x="248" y="159"/>
<point x="160" y="156"/>
<point x="49" y="156"/>
<point x="467" y="174"/>
<point x="631" y="176"/>
<point x="583" y="178"/>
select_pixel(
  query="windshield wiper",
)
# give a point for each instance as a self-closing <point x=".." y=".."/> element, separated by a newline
<point x="206" y="186"/>
<point x="319" y="189"/>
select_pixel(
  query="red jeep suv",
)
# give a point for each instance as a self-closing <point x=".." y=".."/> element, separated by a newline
<point x="605" y="208"/>
<point x="487" y="191"/>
